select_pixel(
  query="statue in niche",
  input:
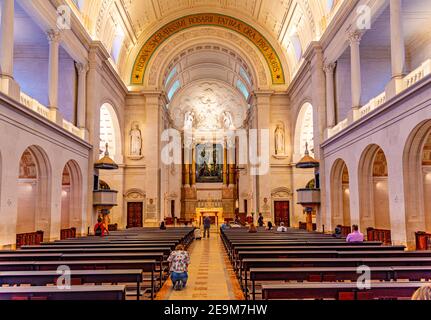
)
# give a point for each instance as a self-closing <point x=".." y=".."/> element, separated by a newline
<point x="135" y="141"/>
<point x="227" y="121"/>
<point x="279" y="140"/>
<point x="189" y="118"/>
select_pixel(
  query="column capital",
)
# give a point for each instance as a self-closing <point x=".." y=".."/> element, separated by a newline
<point x="82" y="67"/>
<point x="53" y="36"/>
<point x="354" y="37"/>
<point x="329" y="67"/>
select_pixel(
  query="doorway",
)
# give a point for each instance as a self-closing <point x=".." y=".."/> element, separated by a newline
<point x="282" y="214"/>
<point x="134" y="214"/>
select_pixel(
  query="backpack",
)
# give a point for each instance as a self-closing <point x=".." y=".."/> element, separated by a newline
<point x="99" y="230"/>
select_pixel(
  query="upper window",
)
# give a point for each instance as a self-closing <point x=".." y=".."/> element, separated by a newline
<point x="329" y="5"/>
<point x="245" y="75"/>
<point x="173" y="89"/>
<point x="117" y="44"/>
<point x="171" y="75"/>
<point x="241" y="87"/>
<point x="296" y="43"/>
<point x="79" y="4"/>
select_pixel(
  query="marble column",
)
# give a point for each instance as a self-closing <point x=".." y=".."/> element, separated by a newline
<point x="82" y="95"/>
<point x="225" y="167"/>
<point x="398" y="58"/>
<point x="263" y="110"/>
<point x="7" y="84"/>
<point x="53" y="69"/>
<point x="193" y="168"/>
<point x="355" y="64"/>
<point x="330" y="95"/>
<point x="398" y="55"/>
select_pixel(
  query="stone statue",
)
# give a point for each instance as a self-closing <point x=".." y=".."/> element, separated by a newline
<point x="189" y="117"/>
<point x="135" y="141"/>
<point x="227" y="121"/>
<point x="279" y="140"/>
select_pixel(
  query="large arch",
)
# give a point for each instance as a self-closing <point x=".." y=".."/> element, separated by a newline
<point x="417" y="180"/>
<point x="34" y="192"/>
<point x="71" y="197"/>
<point x="304" y="131"/>
<point x="373" y="189"/>
<point x="110" y="132"/>
<point x="340" y="194"/>
<point x="207" y="19"/>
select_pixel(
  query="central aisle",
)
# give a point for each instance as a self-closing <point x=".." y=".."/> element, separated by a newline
<point x="211" y="276"/>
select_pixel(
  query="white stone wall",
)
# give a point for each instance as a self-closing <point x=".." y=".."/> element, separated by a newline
<point x="20" y="128"/>
<point x="390" y="128"/>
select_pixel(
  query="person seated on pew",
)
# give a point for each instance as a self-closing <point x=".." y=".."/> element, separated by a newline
<point x="252" y="228"/>
<point x="269" y="226"/>
<point x="100" y="230"/>
<point x="179" y="261"/>
<point x="282" y="228"/>
<point x="225" y="226"/>
<point x="162" y="226"/>
<point x="338" y="232"/>
<point x="355" y="236"/>
<point x="423" y="293"/>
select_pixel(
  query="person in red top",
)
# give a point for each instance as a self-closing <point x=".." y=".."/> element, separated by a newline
<point x="100" y="229"/>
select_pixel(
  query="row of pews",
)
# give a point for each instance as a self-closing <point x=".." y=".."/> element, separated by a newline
<point x="308" y="265"/>
<point x="125" y="264"/>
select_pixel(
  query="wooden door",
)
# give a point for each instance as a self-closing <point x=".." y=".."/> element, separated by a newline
<point x="281" y="209"/>
<point x="134" y="214"/>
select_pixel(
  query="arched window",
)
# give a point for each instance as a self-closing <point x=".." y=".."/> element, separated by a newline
<point x="117" y="44"/>
<point x="245" y="75"/>
<point x="242" y="87"/>
<point x="296" y="43"/>
<point x="170" y="75"/>
<point x="174" y="89"/>
<point x="329" y="5"/>
<point x="110" y="132"/>
<point x="79" y="4"/>
<point x="304" y="131"/>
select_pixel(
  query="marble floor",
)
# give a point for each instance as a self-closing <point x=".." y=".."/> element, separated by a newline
<point x="211" y="276"/>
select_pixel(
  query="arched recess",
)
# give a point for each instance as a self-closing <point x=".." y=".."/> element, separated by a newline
<point x="340" y="194"/>
<point x="34" y="192"/>
<point x="110" y="132"/>
<point x="373" y="189"/>
<point x="417" y="180"/>
<point x="304" y="132"/>
<point x="248" y="32"/>
<point x="71" y="197"/>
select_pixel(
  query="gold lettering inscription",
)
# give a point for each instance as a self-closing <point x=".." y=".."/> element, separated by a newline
<point x="219" y="20"/>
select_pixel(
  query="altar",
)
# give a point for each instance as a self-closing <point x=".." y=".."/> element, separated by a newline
<point x="215" y="214"/>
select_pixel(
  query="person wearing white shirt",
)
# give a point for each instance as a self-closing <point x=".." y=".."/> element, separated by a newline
<point x="281" y="228"/>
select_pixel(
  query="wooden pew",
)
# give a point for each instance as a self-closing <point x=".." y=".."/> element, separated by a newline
<point x="29" y="238"/>
<point x="423" y="240"/>
<point x="332" y="274"/>
<point x="76" y="293"/>
<point x="379" y="235"/>
<point x="327" y="262"/>
<point x="314" y="274"/>
<point x="67" y="233"/>
<point x="43" y="278"/>
<point x="146" y="266"/>
<point x="340" y="291"/>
